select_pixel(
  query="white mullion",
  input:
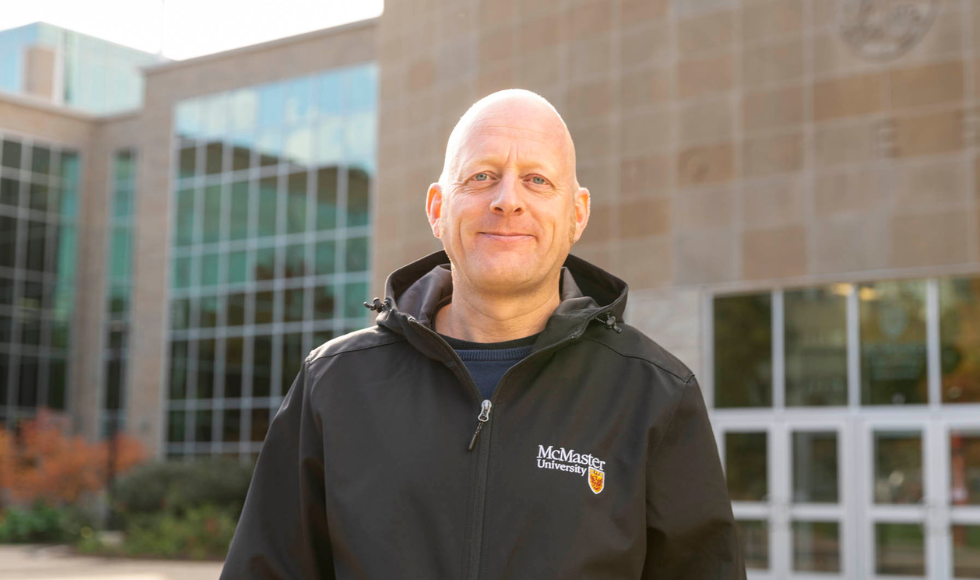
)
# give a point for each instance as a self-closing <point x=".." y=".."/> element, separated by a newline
<point x="934" y="370"/>
<point x="780" y="527"/>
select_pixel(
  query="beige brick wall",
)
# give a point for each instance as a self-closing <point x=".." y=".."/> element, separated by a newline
<point x="727" y="143"/>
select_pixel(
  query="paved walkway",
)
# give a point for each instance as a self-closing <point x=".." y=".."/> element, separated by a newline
<point x="57" y="563"/>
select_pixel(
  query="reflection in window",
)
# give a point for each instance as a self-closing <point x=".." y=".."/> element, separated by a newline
<point x="754" y="537"/>
<point x="816" y="547"/>
<point x="815" y="467"/>
<point x="966" y="551"/>
<point x="959" y="339"/>
<point x="816" y="346"/>
<point x="964" y="468"/>
<point x="743" y="351"/>
<point x="900" y="549"/>
<point x="893" y="343"/>
<point x="746" y="466"/>
<point x="898" y="467"/>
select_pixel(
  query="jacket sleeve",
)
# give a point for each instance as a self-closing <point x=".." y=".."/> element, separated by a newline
<point x="282" y="534"/>
<point x="691" y="532"/>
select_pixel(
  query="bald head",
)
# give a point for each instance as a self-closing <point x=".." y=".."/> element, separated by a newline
<point x="515" y="111"/>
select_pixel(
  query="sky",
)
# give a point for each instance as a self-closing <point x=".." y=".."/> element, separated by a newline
<point x="183" y="29"/>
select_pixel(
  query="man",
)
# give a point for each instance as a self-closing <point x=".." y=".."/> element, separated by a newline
<point x="500" y="421"/>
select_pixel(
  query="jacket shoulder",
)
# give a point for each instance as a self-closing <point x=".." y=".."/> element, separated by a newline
<point x="632" y="343"/>
<point x="366" y="338"/>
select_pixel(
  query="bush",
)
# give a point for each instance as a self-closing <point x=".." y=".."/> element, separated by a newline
<point x="177" y="488"/>
<point x="200" y="533"/>
<point x="42" y="523"/>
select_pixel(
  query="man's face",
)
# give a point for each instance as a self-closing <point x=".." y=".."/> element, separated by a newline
<point x="509" y="208"/>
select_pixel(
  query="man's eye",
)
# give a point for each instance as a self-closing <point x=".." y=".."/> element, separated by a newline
<point x="481" y="177"/>
<point x="538" y="180"/>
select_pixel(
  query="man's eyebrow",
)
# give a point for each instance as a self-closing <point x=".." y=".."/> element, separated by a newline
<point x="490" y="160"/>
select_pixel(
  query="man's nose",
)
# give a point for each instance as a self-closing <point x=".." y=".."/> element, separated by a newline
<point x="507" y="197"/>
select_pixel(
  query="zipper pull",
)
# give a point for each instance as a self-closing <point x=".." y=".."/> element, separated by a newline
<point x="484" y="417"/>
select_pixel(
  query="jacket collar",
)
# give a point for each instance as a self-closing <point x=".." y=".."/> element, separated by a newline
<point x="414" y="292"/>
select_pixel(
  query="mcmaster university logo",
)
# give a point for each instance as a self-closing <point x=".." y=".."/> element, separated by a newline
<point x="569" y="460"/>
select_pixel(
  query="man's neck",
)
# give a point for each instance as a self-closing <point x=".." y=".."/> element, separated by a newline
<point x="478" y="317"/>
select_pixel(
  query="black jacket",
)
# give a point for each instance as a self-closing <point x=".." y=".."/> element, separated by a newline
<point x="596" y="459"/>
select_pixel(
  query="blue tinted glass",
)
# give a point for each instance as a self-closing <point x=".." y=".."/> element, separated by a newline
<point x="299" y="145"/>
<point x="188" y="118"/>
<point x="298" y="100"/>
<point x="331" y="93"/>
<point x="214" y="118"/>
<point x="66" y="253"/>
<point x="362" y="89"/>
<point x="243" y="110"/>
<point x="121" y="239"/>
<point x="360" y="138"/>
<point x="270" y="105"/>
<point x="330" y="141"/>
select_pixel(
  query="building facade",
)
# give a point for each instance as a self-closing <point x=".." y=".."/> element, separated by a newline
<point x="791" y="190"/>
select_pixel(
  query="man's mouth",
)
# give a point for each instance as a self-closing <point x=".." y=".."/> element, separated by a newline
<point x="507" y="236"/>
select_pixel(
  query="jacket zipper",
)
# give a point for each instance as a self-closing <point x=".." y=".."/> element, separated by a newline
<point x="483" y="459"/>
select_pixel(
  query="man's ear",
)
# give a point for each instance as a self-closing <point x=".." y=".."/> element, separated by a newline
<point x="433" y="208"/>
<point x="583" y="207"/>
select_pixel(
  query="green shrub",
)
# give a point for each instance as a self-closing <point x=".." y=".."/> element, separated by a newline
<point x="200" y="533"/>
<point x="42" y="523"/>
<point x="176" y="488"/>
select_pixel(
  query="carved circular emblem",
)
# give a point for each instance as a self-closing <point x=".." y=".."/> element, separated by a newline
<point x="884" y="29"/>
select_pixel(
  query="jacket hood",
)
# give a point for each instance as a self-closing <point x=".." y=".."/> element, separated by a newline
<point x="413" y="294"/>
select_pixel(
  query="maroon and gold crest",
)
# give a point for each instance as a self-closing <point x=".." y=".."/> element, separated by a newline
<point x="597" y="480"/>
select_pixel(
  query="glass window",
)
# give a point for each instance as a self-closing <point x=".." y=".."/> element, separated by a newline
<point x="362" y="89"/>
<point x="746" y="466"/>
<point x="358" y="182"/>
<point x="69" y="167"/>
<point x="271" y="109"/>
<point x="12" y="152"/>
<point x="331" y="93"/>
<point x="209" y="269"/>
<point x="260" y="424"/>
<point x="361" y="131"/>
<point x="188" y="163"/>
<point x="114" y="370"/>
<point x="267" y="206"/>
<point x="41" y="160"/>
<point x="743" y="351"/>
<point x="180" y="314"/>
<point x="8" y="241"/>
<point x="36" y="245"/>
<point x="966" y="551"/>
<point x="292" y="359"/>
<point x="213" y="158"/>
<point x="265" y="264"/>
<point x="355" y="294"/>
<point x="243" y="111"/>
<point x="185" y="217"/>
<point x="239" y="211"/>
<point x="299" y="100"/>
<point x="322" y="336"/>
<point x="296" y="207"/>
<point x="208" y="311"/>
<point x="326" y="255"/>
<point x="205" y="369"/>
<point x="182" y="272"/>
<point x="357" y="254"/>
<point x="298" y="147"/>
<point x="203" y="426"/>
<point x="269" y="145"/>
<point x="38" y="196"/>
<point x="262" y="366"/>
<point x="959" y="339"/>
<point x="237" y="267"/>
<point x="9" y="192"/>
<point x="236" y="309"/>
<point x="893" y="343"/>
<point x="176" y="429"/>
<point x="815" y="467"/>
<point x="122" y="202"/>
<point x="121" y="253"/>
<point x="188" y="118"/>
<point x="898" y="467"/>
<point x="214" y="115"/>
<point x="234" y="366"/>
<point x="232" y="426"/>
<point x="264" y="302"/>
<point x="293" y="305"/>
<point x="212" y="213"/>
<point x="323" y="302"/>
<point x="900" y="549"/>
<point x="27" y="393"/>
<point x="816" y="547"/>
<point x="754" y="537"/>
<point x="56" y="383"/>
<point x="964" y="468"/>
<point x="295" y="261"/>
<point x="241" y="158"/>
<point x="326" y="198"/>
<point x="330" y="141"/>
